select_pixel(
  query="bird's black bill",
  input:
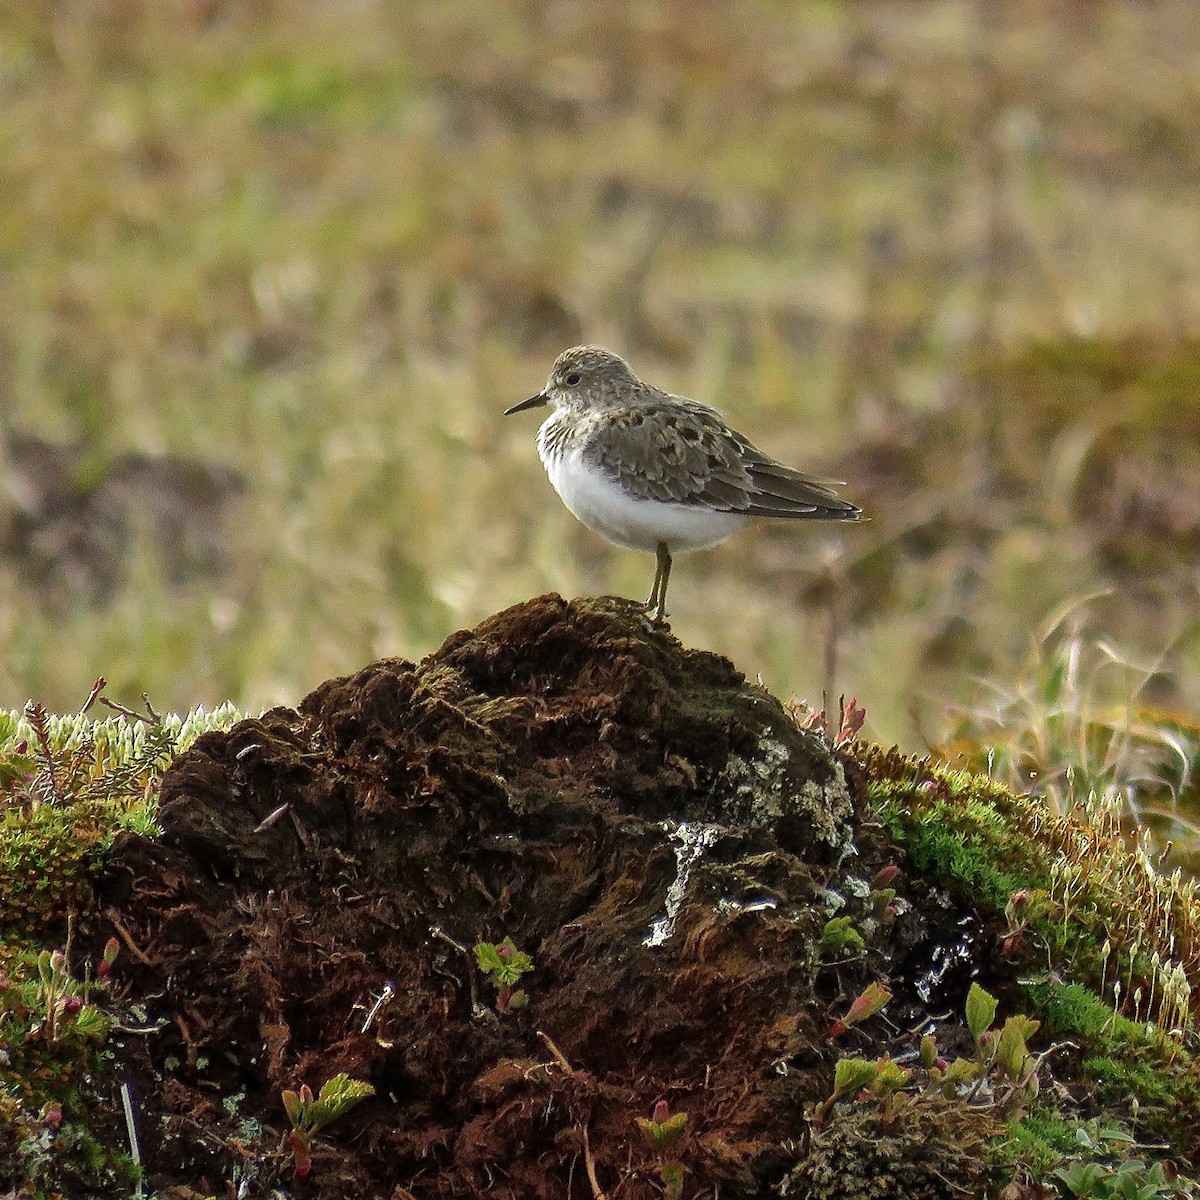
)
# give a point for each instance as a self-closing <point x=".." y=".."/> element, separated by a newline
<point x="538" y="401"/>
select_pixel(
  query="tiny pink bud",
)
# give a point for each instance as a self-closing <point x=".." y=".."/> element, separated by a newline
<point x="52" y="1114"/>
<point x="58" y="960"/>
<point x="71" y="1004"/>
<point x="662" y="1112"/>
<point x="885" y="877"/>
<point x="853" y="716"/>
<point x="504" y="951"/>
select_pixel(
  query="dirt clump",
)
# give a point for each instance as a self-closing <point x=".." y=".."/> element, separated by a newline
<point x="659" y="835"/>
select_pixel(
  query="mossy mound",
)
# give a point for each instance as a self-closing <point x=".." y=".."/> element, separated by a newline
<point x="662" y="838"/>
<point x="715" y="914"/>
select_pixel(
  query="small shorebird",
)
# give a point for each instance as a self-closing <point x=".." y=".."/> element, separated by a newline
<point x="657" y="472"/>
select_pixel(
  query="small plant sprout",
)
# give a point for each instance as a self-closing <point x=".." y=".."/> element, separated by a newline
<point x="1000" y="1076"/>
<point x="880" y="1079"/>
<point x="885" y="877"/>
<point x="308" y="1114"/>
<point x="504" y="965"/>
<point x="981" y="1011"/>
<point x="662" y="1132"/>
<point x="59" y="999"/>
<point x="1132" y="1178"/>
<point x="851" y="716"/>
<point x="929" y="1055"/>
<point x="111" y="949"/>
<point x="54" y="986"/>
<point x="866" y="1004"/>
<point x="839" y="937"/>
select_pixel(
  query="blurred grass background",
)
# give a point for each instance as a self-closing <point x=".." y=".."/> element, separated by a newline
<point x="271" y="271"/>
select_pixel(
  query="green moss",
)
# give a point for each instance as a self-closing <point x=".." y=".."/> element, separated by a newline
<point x="68" y="786"/>
<point x="1072" y="1009"/>
<point x="1073" y="882"/>
<point x="1073" y="887"/>
<point x="1127" y="1061"/>
<point x="957" y="844"/>
<point x="49" y="1141"/>
<point x="44" y="855"/>
<point x="1040" y="1142"/>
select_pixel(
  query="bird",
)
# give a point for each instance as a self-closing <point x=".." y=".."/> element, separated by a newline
<point x="657" y="472"/>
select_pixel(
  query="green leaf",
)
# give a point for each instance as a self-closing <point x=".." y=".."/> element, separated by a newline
<point x="850" y="1074"/>
<point x="1081" y="1179"/>
<point x="92" y="1023"/>
<point x="981" y="1011"/>
<point x="503" y="969"/>
<point x="929" y="1052"/>
<point x="963" y="1070"/>
<point x="662" y="1135"/>
<point x="487" y="958"/>
<point x="872" y="999"/>
<point x="671" y="1174"/>
<point x="337" y="1096"/>
<point x="889" y="1076"/>
<point x="1012" y="1052"/>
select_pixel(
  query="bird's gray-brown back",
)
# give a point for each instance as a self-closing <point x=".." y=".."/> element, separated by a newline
<point x="670" y="448"/>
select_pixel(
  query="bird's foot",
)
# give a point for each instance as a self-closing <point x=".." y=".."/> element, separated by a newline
<point x="655" y="612"/>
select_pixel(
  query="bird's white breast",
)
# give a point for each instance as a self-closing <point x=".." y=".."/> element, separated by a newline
<point x="604" y="506"/>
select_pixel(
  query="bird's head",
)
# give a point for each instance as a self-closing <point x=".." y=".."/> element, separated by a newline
<point x="584" y="377"/>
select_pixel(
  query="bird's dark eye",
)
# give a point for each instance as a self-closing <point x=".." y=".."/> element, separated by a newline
<point x="572" y="379"/>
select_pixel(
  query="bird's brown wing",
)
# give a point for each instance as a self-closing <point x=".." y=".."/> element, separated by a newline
<point x="687" y="455"/>
<point x="779" y="491"/>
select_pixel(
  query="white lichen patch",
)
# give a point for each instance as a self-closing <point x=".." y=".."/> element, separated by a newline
<point x="757" y="790"/>
<point x="691" y="840"/>
<point x="859" y="888"/>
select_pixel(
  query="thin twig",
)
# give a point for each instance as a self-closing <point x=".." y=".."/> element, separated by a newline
<point x="559" y="1056"/>
<point x="94" y="694"/>
<point x="127" y="712"/>
<point x="271" y="818"/>
<point x="590" y="1164"/>
<point x="111" y="914"/>
<point x="135" y="1150"/>
<point x="439" y="932"/>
